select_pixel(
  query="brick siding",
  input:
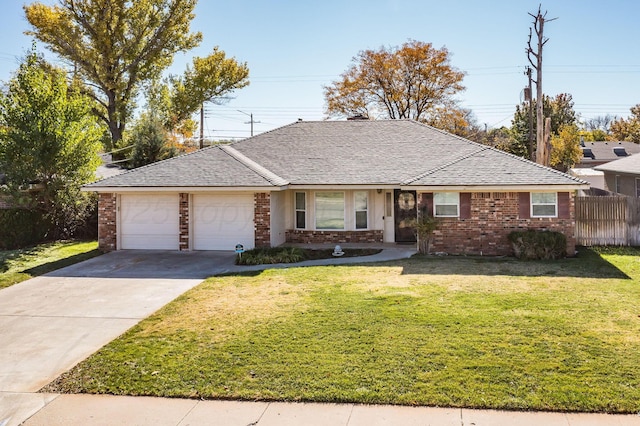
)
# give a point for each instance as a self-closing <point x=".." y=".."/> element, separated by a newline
<point x="107" y="222"/>
<point x="334" y="237"/>
<point x="184" y="222"/>
<point x="262" y="219"/>
<point x="493" y="215"/>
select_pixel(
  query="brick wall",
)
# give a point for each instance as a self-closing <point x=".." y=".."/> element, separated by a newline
<point x="107" y="222"/>
<point x="493" y="215"/>
<point x="334" y="237"/>
<point x="262" y="219"/>
<point x="184" y="222"/>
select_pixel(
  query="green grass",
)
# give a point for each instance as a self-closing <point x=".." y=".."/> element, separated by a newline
<point x="22" y="264"/>
<point x="463" y="332"/>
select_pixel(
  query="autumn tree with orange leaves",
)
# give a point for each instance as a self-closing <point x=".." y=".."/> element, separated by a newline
<point x="415" y="81"/>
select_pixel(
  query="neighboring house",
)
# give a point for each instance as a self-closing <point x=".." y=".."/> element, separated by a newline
<point x="622" y="176"/>
<point x="598" y="153"/>
<point x="335" y="182"/>
<point x="595" y="178"/>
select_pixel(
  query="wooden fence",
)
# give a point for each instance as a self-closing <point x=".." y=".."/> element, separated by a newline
<point x="608" y="220"/>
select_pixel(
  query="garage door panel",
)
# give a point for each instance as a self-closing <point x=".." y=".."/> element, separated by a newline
<point x="149" y="221"/>
<point x="222" y="221"/>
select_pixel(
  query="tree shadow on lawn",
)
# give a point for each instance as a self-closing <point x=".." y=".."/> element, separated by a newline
<point x="587" y="264"/>
<point x="61" y="263"/>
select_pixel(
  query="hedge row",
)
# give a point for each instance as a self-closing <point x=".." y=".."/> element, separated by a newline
<point x="21" y="228"/>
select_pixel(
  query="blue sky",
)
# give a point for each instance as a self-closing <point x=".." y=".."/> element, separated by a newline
<point x="293" y="48"/>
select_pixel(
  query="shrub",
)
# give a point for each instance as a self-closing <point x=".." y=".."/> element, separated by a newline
<point x="22" y="227"/>
<point x="532" y="244"/>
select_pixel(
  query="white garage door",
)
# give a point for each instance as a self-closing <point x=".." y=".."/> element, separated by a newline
<point x="223" y="220"/>
<point x="149" y="221"/>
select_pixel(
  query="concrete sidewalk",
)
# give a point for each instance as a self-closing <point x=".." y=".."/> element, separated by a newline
<point x="98" y="410"/>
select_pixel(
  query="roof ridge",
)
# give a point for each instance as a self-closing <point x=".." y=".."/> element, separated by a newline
<point x="443" y="166"/>
<point x="271" y="177"/>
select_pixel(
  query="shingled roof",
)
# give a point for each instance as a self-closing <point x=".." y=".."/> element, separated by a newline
<point x="627" y="165"/>
<point x="360" y="152"/>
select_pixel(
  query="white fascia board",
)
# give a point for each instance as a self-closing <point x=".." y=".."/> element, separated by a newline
<point x="341" y="187"/>
<point x="186" y="189"/>
<point x="496" y="188"/>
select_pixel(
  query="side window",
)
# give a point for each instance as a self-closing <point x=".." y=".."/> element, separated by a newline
<point x="361" y="209"/>
<point x="301" y="210"/>
<point x="446" y="204"/>
<point x="544" y="204"/>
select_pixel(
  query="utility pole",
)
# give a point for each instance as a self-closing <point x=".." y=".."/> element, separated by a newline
<point x="201" y="125"/>
<point x="538" y="25"/>
<point x="250" y="120"/>
<point x="529" y="97"/>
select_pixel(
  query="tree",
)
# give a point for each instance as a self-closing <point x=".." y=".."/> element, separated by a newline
<point x="559" y="109"/>
<point x="565" y="148"/>
<point x="601" y="122"/>
<point x="49" y="144"/>
<point x="413" y="81"/>
<point x="115" y="46"/>
<point x="538" y="25"/>
<point x="210" y="77"/>
<point x="150" y="142"/>
<point x="629" y="129"/>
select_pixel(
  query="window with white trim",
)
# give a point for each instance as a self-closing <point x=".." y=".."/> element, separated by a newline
<point x="544" y="204"/>
<point x="361" y="207"/>
<point x="330" y="210"/>
<point x="301" y="210"/>
<point x="618" y="184"/>
<point x="446" y="204"/>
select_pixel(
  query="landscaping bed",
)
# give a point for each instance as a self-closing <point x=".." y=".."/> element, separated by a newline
<point x="266" y="256"/>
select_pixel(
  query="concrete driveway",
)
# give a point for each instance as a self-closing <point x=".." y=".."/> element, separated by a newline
<point x="50" y="323"/>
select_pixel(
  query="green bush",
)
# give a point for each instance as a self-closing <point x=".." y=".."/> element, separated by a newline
<point x="533" y="244"/>
<point x="262" y="256"/>
<point x="22" y="227"/>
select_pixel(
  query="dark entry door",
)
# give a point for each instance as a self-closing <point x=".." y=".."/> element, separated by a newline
<point x="406" y="212"/>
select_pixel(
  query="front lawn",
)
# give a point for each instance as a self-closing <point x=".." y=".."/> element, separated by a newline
<point x="463" y="332"/>
<point x="22" y="264"/>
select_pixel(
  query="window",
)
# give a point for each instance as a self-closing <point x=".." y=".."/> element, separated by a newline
<point x="301" y="210"/>
<point x="446" y="204"/>
<point x="329" y="210"/>
<point x="637" y="187"/>
<point x="361" y="208"/>
<point x="388" y="204"/>
<point x="618" y="184"/>
<point x="544" y="204"/>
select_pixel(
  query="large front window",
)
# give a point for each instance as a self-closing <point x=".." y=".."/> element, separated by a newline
<point x="544" y="204"/>
<point x="329" y="210"/>
<point x="446" y="204"/>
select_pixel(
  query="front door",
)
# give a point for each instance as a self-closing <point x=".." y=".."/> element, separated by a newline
<point x="406" y="214"/>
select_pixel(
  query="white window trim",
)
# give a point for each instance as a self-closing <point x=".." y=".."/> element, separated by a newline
<point x="344" y="212"/>
<point x="555" y="204"/>
<point x="296" y="210"/>
<point x="457" y="204"/>
<point x="355" y="212"/>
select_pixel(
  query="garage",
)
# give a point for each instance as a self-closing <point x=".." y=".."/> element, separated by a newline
<point x="220" y="221"/>
<point x="149" y="221"/>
